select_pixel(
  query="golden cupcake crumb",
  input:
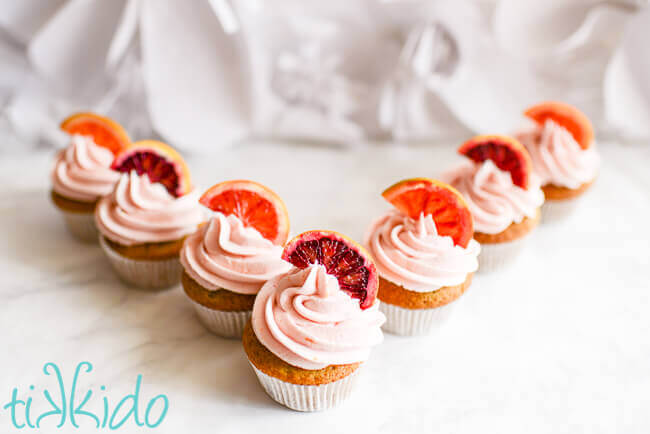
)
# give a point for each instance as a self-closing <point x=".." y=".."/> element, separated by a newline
<point x="511" y="233"/>
<point x="71" y="205"/>
<point x="397" y="295"/>
<point x="555" y="192"/>
<point x="221" y="299"/>
<point x="271" y="365"/>
<point x="148" y="251"/>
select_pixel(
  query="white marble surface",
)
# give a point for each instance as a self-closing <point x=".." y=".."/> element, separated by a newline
<point x="559" y="343"/>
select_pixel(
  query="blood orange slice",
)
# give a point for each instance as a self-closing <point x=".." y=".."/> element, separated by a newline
<point x="567" y="116"/>
<point x="104" y="131"/>
<point x="505" y="152"/>
<point x="446" y="205"/>
<point x="341" y="257"/>
<point x="254" y="204"/>
<point x="159" y="162"/>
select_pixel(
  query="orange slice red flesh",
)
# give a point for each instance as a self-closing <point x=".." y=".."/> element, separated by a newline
<point x="505" y="152"/>
<point x="254" y="204"/>
<point x="341" y="257"/>
<point x="567" y="116"/>
<point x="444" y="203"/>
<point x="160" y="162"/>
<point x="105" y="132"/>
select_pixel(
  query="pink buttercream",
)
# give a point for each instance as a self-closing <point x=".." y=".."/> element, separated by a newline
<point x="557" y="157"/>
<point x="82" y="171"/>
<point x="410" y="253"/>
<point x="495" y="202"/>
<point x="304" y="318"/>
<point x="226" y="254"/>
<point x="139" y="211"/>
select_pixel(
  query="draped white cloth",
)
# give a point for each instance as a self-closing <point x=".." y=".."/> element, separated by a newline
<point x="207" y="73"/>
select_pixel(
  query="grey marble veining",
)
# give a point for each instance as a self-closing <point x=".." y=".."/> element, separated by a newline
<point x="557" y="343"/>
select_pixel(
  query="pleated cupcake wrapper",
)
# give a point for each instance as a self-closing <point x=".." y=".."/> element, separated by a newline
<point x="554" y="211"/>
<point x="142" y="273"/>
<point x="414" y="322"/>
<point x="308" y="398"/>
<point x="500" y="255"/>
<point x="222" y="323"/>
<point x="81" y="226"/>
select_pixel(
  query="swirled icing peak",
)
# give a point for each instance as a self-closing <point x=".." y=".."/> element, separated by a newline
<point x="305" y="319"/>
<point x="494" y="200"/>
<point x="82" y="171"/>
<point x="410" y="253"/>
<point x="557" y="157"/>
<point x="139" y="211"/>
<point x="226" y="254"/>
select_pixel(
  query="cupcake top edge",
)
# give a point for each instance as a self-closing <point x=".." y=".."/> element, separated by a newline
<point x="140" y="211"/>
<point x="82" y="170"/>
<point x="226" y="254"/>
<point x="306" y="319"/>
<point x="411" y="253"/>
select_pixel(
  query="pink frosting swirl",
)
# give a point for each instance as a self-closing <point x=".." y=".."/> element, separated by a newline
<point x="226" y="254"/>
<point x="411" y="253"/>
<point x="139" y="211"/>
<point x="557" y="157"/>
<point x="304" y="318"/>
<point x="495" y="202"/>
<point x="83" y="171"/>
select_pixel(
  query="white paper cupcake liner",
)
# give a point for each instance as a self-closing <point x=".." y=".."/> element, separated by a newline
<point x="554" y="211"/>
<point x="499" y="255"/>
<point x="144" y="274"/>
<point x="413" y="322"/>
<point x="226" y="324"/>
<point x="308" y="398"/>
<point x="81" y="226"/>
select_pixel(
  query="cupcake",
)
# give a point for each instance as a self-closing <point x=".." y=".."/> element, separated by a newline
<point x="424" y="254"/>
<point x="227" y="260"/>
<point x="312" y="327"/>
<point x="145" y="219"/>
<point x="82" y="172"/>
<point x="561" y="147"/>
<point x="502" y="193"/>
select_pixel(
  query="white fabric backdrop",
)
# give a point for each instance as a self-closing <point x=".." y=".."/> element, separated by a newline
<point x="208" y="73"/>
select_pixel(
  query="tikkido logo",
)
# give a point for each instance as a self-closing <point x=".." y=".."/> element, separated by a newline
<point x="74" y="408"/>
